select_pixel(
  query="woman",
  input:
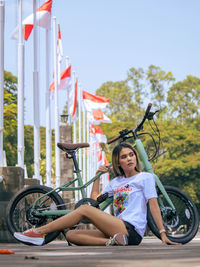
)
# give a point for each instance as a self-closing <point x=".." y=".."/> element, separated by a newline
<point x="131" y="191"/>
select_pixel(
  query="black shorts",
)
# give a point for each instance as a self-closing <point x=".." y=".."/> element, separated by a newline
<point x="134" y="238"/>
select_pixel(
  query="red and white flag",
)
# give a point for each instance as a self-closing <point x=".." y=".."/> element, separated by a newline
<point x="65" y="80"/>
<point x="72" y="101"/>
<point x="59" y="53"/>
<point x="92" y="102"/>
<point x="97" y="116"/>
<point x="43" y="19"/>
<point x="96" y="135"/>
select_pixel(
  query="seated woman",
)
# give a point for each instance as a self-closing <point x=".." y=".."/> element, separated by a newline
<point x="131" y="190"/>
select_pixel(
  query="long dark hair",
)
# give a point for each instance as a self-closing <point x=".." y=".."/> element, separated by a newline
<point x="115" y="159"/>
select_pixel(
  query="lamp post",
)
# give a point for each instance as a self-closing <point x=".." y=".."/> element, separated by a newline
<point x="64" y="118"/>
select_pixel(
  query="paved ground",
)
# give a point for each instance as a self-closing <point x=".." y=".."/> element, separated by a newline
<point x="151" y="253"/>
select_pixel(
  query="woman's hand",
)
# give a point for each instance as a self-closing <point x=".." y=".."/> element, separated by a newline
<point x="165" y="240"/>
<point x="102" y="168"/>
<point x="95" y="187"/>
<point x="155" y="211"/>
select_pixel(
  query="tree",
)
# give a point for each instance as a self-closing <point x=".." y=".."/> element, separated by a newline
<point x="179" y="166"/>
<point x="136" y="77"/>
<point x="10" y="117"/>
<point x="184" y="99"/>
<point x="120" y="96"/>
<point x="158" y="80"/>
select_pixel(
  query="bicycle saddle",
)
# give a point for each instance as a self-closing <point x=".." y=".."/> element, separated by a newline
<point x="70" y="147"/>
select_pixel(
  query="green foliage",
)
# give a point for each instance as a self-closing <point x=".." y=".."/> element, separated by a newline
<point x="29" y="150"/>
<point x="10" y="117"/>
<point x="10" y="131"/>
<point x="43" y="154"/>
<point x="180" y="164"/>
<point x="120" y="96"/>
<point x="158" y="79"/>
<point x="184" y="99"/>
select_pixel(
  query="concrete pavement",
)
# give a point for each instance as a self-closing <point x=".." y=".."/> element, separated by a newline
<point x="151" y="253"/>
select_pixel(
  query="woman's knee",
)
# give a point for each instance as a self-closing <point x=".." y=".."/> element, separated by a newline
<point x="70" y="235"/>
<point x="84" y="209"/>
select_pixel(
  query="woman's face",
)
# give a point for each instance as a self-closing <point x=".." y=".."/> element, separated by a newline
<point x="127" y="160"/>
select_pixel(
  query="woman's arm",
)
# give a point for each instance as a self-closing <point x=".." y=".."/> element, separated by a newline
<point x="95" y="187"/>
<point x="155" y="211"/>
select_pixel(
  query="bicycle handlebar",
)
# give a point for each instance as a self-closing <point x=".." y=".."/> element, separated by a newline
<point x="137" y="128"/>
<point x="113" y="139"/>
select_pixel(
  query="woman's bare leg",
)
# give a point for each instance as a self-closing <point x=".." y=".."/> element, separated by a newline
<point x="87" y="237"/>
<point x="106" y="223"/>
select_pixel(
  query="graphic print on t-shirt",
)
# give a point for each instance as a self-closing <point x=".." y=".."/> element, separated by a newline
<point x="121" y="197"/>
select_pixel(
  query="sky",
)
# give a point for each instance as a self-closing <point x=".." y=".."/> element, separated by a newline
<point x="105" y="38"/>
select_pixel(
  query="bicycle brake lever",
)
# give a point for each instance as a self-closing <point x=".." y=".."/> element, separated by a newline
<point x="151" y="114"/>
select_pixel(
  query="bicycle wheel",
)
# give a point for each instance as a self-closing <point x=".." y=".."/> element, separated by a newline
<point x="19" y="217"/>
<point x="182" y="226"/>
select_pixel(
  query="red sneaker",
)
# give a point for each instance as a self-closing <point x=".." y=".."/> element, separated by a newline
<point x="30" y="237"/>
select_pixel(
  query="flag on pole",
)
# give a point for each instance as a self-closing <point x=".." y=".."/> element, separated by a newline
<point x="72" y="101"/>
<point x="97" y="116"/>
<point x="65" y="80"/>
<point x="43" y="19"/>
<point x="73" y="107"/>
<point x="91" y="101"/>
<point x="96" y="135"/>
<point x="59" y="53"/>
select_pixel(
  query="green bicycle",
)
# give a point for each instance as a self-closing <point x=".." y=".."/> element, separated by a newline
<point x="38" y="205"/>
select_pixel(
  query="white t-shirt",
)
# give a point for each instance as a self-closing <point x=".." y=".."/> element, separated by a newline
<point x="130" y="197"/>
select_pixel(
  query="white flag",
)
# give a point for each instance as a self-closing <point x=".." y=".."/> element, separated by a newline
<point x="65" y="80"/>
<point x="96" y="135"/>
<point x="73" y="101"/>
<point x="97" y="116"/>
<point x="43" y="19"/>
<point x="92" y="102"/>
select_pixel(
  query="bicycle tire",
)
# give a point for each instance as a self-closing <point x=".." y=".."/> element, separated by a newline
<point x="18" y="217"/>
<point x="182" y="226"/>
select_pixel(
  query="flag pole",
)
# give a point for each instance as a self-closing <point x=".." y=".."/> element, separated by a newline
<point x="36" y="105"/>
<point x="57" y="132"/>
<point x="68" y="111"/>
<point x="90" y="153"/>
<point x="48" y="116"/>
<point x="68" y="95"/>
<point x="2" y="22"/>
<point x="20" y="95"/>
<point x="79" y="133"/>
<point x="67" y="62"/>
<point x="74" y="122"/>
<point x="84" y="140"/>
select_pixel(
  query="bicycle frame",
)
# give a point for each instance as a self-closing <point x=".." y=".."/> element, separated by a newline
<point x="66" y="187"/>
<point x="81" y="187"/>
